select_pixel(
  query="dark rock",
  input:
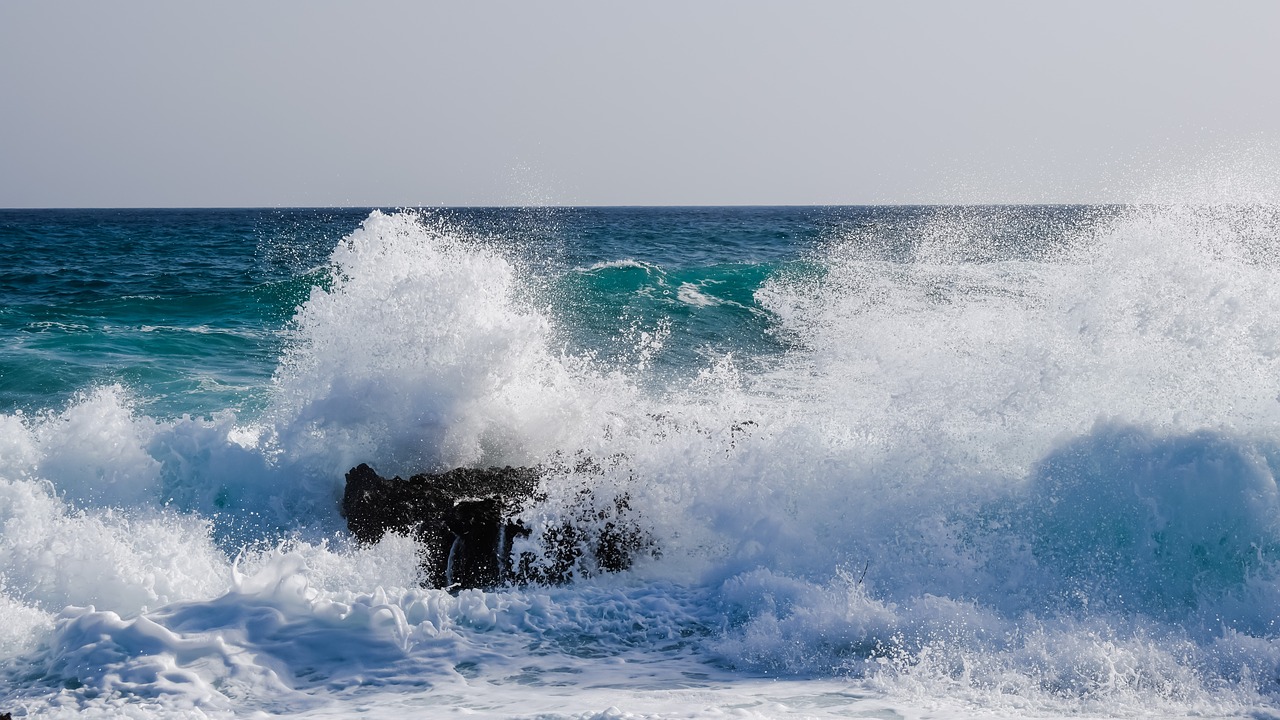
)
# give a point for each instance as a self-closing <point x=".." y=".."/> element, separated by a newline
<point x="463" y="518"/>
<point x="460" y="517"/>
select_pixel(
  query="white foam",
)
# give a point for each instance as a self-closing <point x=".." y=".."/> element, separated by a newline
<point x="93" y="451"/>
<point x="421" y="356"/>
<point x="689" y="294"/>
<point x="624" y="263"/>
<point x="52" y="555"/>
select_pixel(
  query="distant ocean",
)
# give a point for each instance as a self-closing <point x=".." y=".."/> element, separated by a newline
<point x="895" y="461"/>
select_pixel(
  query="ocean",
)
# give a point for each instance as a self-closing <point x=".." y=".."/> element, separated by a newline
<point x="890" y="462"/>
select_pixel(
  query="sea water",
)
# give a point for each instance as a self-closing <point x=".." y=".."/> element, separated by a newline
<point x="894" y="461"/>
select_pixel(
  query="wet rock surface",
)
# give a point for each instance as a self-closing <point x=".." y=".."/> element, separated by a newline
<point x="464" y="519"/>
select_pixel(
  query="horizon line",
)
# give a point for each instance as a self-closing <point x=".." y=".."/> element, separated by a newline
<point x="595" y="206"/>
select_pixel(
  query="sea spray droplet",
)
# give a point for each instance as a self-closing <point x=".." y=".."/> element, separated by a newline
<point x="420" y="357"/>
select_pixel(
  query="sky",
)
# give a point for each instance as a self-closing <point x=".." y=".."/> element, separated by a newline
<point x="384" y="103"/>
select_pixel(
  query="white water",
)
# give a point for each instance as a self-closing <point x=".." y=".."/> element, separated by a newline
<point x="1034" y="487"/>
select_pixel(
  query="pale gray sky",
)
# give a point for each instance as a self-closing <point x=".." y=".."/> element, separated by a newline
<point x="152" y="104"/>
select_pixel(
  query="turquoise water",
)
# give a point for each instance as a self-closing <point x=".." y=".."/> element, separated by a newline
<point x="184" y="307"/>
<point x="899" y="461"/>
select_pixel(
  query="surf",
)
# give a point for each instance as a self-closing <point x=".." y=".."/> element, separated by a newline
<point x="1022" y="459"/>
